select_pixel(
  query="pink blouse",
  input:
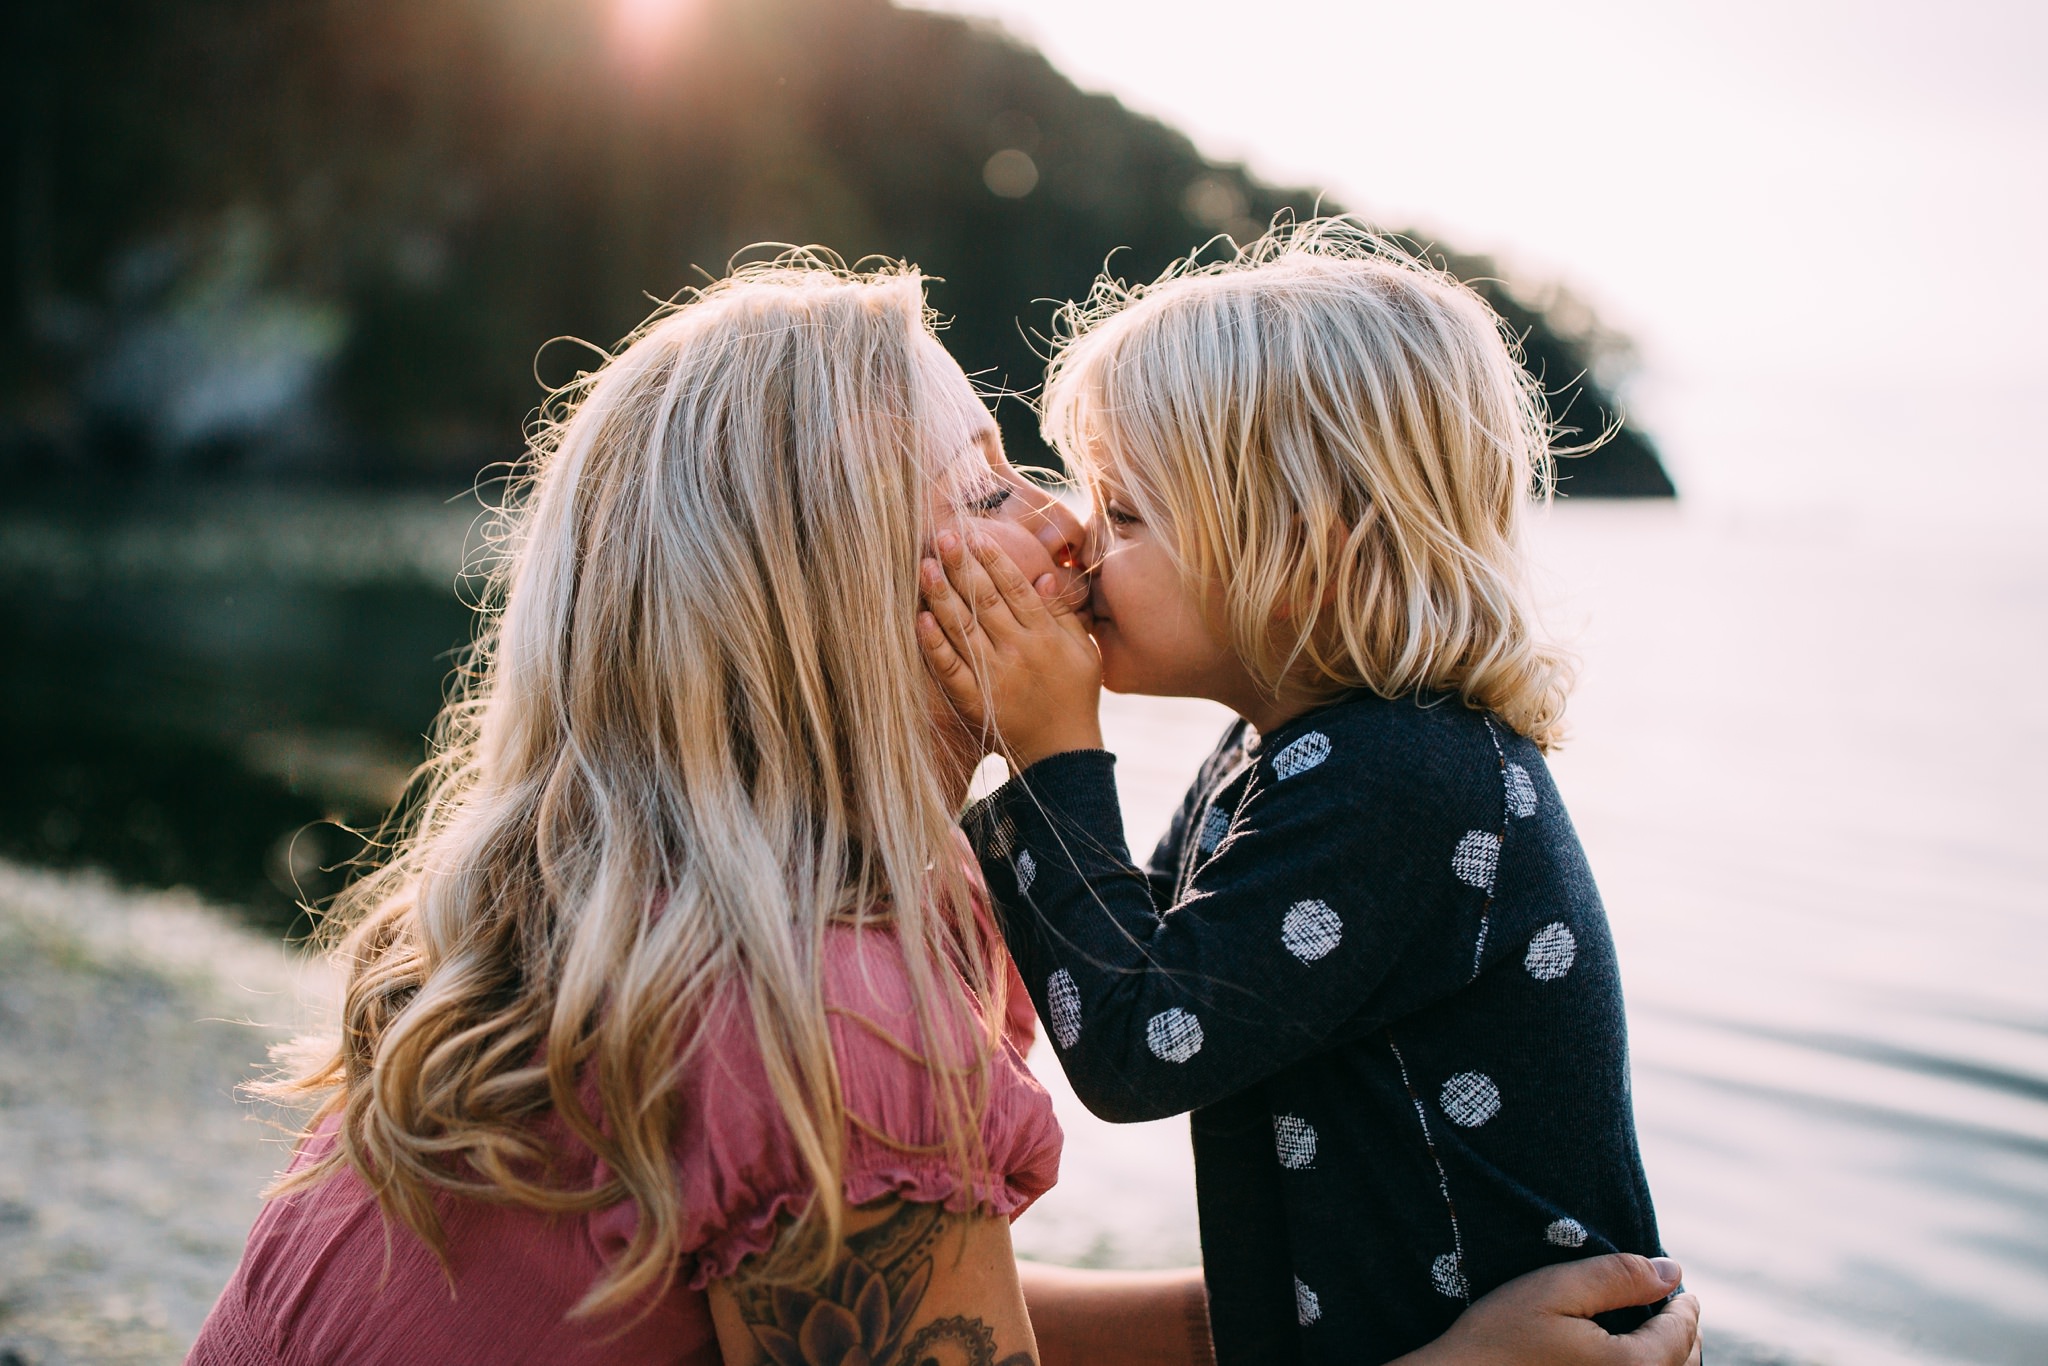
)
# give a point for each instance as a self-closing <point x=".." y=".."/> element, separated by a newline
<point x="314" y="1284"/>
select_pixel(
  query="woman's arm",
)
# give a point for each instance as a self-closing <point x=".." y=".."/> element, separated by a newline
<point x="1160" y="1318"/>
<point x="1118" y="1318"/>
<point x="913" y="1283"/>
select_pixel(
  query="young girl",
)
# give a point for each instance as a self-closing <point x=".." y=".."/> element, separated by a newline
<point x="1368" y="954"/>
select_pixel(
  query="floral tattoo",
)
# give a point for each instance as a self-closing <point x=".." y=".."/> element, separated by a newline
<point x="861" y="1313"/>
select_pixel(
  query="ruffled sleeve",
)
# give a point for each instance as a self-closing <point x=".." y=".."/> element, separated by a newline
<point x="740" y="1172"/>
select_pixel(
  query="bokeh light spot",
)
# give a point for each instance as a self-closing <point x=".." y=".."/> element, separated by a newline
<point x="1010" y="174"/>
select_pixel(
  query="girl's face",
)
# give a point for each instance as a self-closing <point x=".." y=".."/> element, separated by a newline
<point x="1157" y="635"/>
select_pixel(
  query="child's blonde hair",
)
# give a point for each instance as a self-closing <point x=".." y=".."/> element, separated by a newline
<point x="1338" y="442"/>
<point x="699" y="734"/>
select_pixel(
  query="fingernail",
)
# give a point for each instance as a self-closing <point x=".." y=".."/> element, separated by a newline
<point x="947" y="542"/>
<point x="1668" y="1271"/>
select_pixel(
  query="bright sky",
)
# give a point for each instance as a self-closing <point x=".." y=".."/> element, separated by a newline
<point x="1850" y="193"/>
<point x="1824" y="182"/>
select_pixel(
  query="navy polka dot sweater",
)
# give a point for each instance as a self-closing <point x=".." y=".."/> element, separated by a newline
<point x="1370" y="958"/>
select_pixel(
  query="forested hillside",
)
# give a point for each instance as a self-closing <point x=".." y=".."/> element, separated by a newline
<point x="329" y="237"/>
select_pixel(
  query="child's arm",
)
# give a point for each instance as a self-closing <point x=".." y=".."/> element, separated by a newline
<point x="1288" y="935"/>
<point x="1290" y="930"/>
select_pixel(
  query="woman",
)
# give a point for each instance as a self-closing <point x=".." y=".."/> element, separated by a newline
<point x="672" y="1032"/>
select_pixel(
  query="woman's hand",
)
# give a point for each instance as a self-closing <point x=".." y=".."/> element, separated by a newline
<point x="1010" y="655"/>
<point x="1545" y="1319"/>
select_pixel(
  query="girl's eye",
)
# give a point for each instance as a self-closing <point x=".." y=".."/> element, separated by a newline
<point x="985" y="504"/>
<point x="1119" y="517"/>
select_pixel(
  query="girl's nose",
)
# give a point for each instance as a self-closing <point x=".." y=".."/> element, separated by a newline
<point x="1094" y="547"/>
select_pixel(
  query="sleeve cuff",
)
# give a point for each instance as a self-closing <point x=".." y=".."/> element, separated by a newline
<point x="1072" y="793"/>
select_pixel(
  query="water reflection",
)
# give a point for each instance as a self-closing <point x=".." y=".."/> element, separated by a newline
<point x="200" y="686"/>
<point x="1821" y="857"/>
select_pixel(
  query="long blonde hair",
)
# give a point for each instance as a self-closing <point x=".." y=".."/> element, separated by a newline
<point x="698" y="734"/>
<point x="1338" y="438"/>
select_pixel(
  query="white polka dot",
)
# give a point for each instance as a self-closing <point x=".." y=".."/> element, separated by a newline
<point x="1027" y="871"/>
<point x="1301" y="756"/>
<point x="1294" y="1139"/>
<point x="1470" y="1099"/>
<point x="1173" y="1035"/>
<point x="1307" y="1308"/>
<point x="1448" y="1276"/>
<point x="1551" y="952"/>
<point x="1477" y="856"/>
<point x="1311" y="930"/>
<point x="1215" y="826"/>
<point x="1565" y="1233"/>
<point x="1521" y="792"/>
<point x="1063" y="1007"/>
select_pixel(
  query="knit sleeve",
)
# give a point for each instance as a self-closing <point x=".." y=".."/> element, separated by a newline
<point x="1335" y="857"/>
<point x="1162" y="872"/>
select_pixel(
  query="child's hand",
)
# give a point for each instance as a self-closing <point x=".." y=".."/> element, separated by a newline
<point x="997" y="643"/>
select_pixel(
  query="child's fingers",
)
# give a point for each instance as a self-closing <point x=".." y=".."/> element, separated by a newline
<point x="1017" y="593"/>
<point x="1062" y="611"/>
<point x="1063" y="604"/>
<point x="946" y="665"/>
<point x="975" y="585"/>
<point x="1057" y="600"/>
<point x="948" y="609"/>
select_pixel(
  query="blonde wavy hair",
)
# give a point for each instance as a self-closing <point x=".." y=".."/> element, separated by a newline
<point x="1338" y="441"/>
<point x="698" y="733"/>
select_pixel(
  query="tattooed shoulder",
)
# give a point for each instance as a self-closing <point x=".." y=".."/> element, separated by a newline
<point x="865" y="1309"/>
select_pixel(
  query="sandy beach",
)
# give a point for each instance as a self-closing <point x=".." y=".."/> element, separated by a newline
<point x="129" y="1169"/>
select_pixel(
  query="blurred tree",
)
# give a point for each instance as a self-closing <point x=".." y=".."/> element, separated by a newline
<point x="332" y="234"/>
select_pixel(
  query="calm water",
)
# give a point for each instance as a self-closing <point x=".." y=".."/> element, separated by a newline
<point x="1807" y="769"/>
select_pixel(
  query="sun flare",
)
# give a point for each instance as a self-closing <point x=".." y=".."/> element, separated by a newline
<point x="646" y="32"/>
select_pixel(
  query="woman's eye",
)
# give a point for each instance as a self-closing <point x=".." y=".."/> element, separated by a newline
<point x="985" y="504"/>
<point x="1119" y="517"/>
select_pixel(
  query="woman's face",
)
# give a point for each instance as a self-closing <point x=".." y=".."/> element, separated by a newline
<point x="990" y="495"/>
<point x="993" y="497"/>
